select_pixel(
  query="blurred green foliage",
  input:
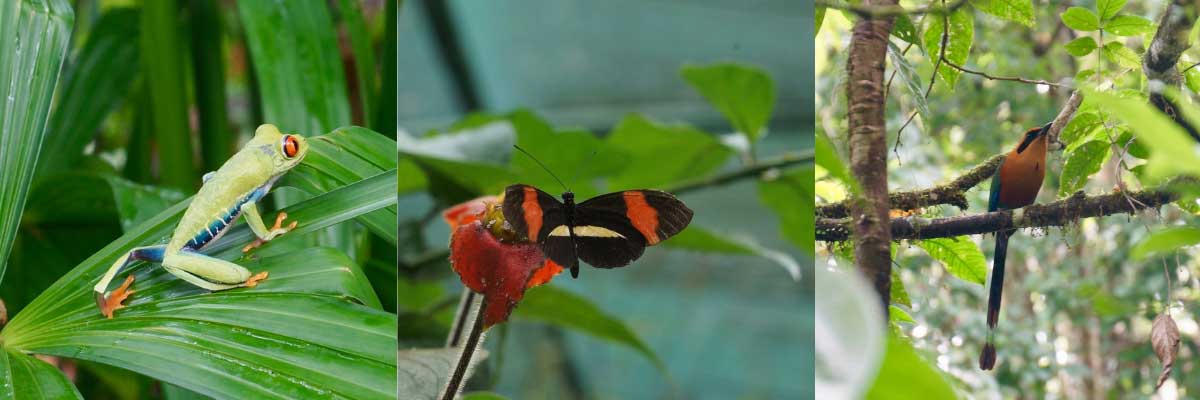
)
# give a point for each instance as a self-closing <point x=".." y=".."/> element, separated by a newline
<point x="1079" y="302"/>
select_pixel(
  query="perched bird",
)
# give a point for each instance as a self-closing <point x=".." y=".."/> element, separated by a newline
<point x="1015" y="185"/>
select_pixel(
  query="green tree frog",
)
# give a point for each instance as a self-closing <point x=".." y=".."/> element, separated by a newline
<point x="231" y="191"/>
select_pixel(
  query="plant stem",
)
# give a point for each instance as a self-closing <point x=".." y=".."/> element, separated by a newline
<point x="460" y="317"/>
<point x="464" y="359"/>
<point x="749" y="171"/>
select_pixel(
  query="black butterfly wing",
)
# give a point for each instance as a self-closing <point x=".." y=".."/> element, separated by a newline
<point x="531" y="212"/>
<point x="606" y="239"/>
<point x="536" y="214"/>
<point x="614" y="229"/>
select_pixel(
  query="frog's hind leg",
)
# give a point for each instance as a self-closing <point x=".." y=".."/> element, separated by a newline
<point x="209" y="272"/>
<point x="111" y="302"/>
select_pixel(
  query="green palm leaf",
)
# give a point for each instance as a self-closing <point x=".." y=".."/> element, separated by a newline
<point x="34" y="33"/>
<point x="314" y="329"/>
<point x="346" y="155"/>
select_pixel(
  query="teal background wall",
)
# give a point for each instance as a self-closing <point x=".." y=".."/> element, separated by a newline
<point x="726" y="327"/>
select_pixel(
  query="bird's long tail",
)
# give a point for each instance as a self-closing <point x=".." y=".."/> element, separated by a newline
<point x="987" y="359"/>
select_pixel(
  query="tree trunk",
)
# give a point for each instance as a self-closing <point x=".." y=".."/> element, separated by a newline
<point x="868" y="150"/>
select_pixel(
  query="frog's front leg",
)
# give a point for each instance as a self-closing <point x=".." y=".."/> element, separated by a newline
<point x="250" y="213"/>
<point x="209" y="272"/>
<point x="110" y="302"/>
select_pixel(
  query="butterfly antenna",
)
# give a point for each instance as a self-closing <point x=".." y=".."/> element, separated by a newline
<point x="539" y="163"/>
<point x="578" y="168"/>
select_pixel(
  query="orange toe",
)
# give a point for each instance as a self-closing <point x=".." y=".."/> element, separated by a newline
<point x="279" y="220"/>
<point x="254" y="280"/>
<point x="253" y="245"/>
<point x="113" y="301"/>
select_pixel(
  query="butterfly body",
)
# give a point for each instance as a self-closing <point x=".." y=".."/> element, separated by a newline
<point x="606" y="231"/>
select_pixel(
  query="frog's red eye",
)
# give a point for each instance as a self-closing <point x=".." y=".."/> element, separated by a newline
<point x="291" y="146"/>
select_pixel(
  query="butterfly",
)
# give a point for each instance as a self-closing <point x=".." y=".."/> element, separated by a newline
<point x="606" y="231"/>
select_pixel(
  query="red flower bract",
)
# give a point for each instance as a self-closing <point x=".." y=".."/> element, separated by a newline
<point x="468" y="211"/>
<point x="492" y="259"/>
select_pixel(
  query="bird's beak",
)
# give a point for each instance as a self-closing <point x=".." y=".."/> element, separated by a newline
<point x="1045" y="129"/>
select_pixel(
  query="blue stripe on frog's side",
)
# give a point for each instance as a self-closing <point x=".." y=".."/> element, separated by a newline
<point x="217" y="227"/>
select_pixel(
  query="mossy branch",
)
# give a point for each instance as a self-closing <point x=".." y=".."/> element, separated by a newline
<point x="1058" y="213"/>
<point x="951" y="193"/>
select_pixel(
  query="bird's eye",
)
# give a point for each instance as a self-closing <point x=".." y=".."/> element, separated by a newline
<point x="291" y="146"/>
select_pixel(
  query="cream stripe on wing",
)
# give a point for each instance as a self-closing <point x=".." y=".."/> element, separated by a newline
<point x="587" y="231"/>
<point x="596" y="231"/>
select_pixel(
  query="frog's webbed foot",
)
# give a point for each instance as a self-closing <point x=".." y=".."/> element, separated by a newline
<point x="275" y="231"/>
<point x="112" y="302"/>
<point x="254" y="280"/>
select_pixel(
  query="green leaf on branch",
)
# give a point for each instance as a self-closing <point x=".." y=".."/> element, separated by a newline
<point x="660" y="154"/>
<point x="1122" y="56"/>
<point x="958" y="47"/>
<point x="1166" y="240"/>
<point x="818" y="18"/>
<point x="912" y="80"/>
<point x="745" y="95"/>
<point x="1081" y="46"/>
<point x="1171" y="150"/>
<point x="793" y="197"/>
<point x="905" y="30"/>
<point x="899" y="294"/>
<point x="1081" y="19"/>
<point x="1109" y="8"/>
<point x="960" y="256"/>
<point x="898" y="315"/>
<point x="1191" y="77"/>
<point x="552" y="305"/>
<point x="826" y="157"/>
<point x="903" y="369"/>
<point x="1084" y="123"/>
<point x="1128" y="25"/>
<point x="1019" y="11"/>
<point x="1134" y="145"/>
<point x="1084" y="74"/>
<point x="1082" y="162"/>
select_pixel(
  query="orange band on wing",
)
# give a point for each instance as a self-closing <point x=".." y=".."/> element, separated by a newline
<point x="533" y="213"/>
<point x="643" y="217"/>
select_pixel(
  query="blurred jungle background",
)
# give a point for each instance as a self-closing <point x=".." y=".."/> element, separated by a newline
<point x="1080" y="301"/>
<point x="151" y="96"/>
<point x="665" y="94"/>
